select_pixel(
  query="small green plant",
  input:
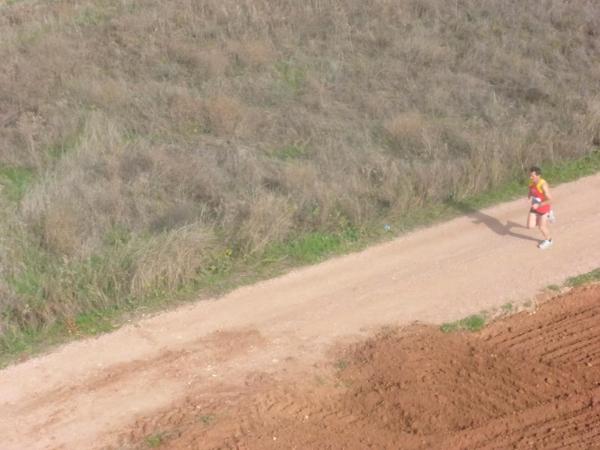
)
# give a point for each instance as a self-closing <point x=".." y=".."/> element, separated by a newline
<point x="507" y="307"/>
<point x="207" y="419"/>
<point x="472" y="323"/>
<point x="220" y="263"/>
<point x="553" y="287"/>
<point x="155" y="440"/>
<point x="341" y="364"/>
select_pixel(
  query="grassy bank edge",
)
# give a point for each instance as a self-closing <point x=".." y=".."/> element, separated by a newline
<point x="476" y="322"/>
<point x="229" y="272"/>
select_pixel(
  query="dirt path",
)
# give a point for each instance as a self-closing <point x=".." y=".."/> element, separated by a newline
<point x="85" y="394"/>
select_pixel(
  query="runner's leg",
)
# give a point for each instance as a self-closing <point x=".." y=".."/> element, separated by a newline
<point x="531" y="220"/>
<point x="543" y="225"/>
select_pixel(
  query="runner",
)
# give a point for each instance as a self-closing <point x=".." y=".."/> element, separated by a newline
<point x="540" y="212"/>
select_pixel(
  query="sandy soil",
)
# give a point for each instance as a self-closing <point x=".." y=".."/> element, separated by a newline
<point x="269" y="364"/>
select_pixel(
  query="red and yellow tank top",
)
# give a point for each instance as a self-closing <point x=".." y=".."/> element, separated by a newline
<point x="537" y="194"/>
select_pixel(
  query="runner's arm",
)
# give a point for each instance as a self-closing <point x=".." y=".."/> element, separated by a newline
<point x="547" y="193"/>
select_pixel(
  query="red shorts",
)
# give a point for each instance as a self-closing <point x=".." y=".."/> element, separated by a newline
<point x="538" y="212"/>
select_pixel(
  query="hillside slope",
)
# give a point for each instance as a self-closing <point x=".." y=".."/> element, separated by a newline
<point x="145" y="144"/>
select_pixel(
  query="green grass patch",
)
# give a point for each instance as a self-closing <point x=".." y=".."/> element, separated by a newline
<point x="15" y="181"/>
<point x="472" y="323"/>
<point x="21" y="344"/>
<point x="92" y="323"/>
<point x="102" y="282"/>
<point x="586" y="278"/>
<point x="28" y="284"/>
<point x="476" y="322"/>
<point x="155" y="440"/>
<point x="572" y="170"/>
<point x="291" y="152"/>
<point x="313" y="247"/>
<point x="292" y="77"/>
<point x="29" y="340"/>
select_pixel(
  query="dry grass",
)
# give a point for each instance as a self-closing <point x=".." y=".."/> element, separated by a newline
<point x="169" y="260"/>
<point x="200" y="126"/>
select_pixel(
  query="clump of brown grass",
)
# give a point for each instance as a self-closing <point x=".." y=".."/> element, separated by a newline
<point x="214" y="61"/>
<point x="71" y="219"/>
<point x="224" y="114"/>
<point x="409" y="136"/>
<point x="270" y="219"/>
<point x="169" y="260"/>
<point x="60" y="230"/>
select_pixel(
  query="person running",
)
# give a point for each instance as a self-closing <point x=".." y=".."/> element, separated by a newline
<point x="540" y="211"/>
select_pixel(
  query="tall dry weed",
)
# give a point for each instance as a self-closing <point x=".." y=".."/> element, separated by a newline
<point x="169" y="260"/>
<point x="73" y="205"/>
<point x="269" y="219"/>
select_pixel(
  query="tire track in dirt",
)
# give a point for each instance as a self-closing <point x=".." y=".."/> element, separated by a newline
<point x="557" y="339"/>
<point x="566" y="422"/>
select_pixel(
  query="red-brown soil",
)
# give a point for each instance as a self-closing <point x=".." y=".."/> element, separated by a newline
<point x="531" y="380"/>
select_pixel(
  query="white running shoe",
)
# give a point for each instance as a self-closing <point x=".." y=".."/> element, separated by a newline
<point x="546" y="243"/>
<point x="551" y="216"/>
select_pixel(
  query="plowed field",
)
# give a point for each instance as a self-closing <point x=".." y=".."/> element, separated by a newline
<point x="531" y="380"/>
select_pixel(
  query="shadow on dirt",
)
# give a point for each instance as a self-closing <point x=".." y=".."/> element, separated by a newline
<point x="491" y="222"/>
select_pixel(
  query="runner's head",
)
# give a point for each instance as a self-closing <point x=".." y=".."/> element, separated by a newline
<point x="535" y="173"/>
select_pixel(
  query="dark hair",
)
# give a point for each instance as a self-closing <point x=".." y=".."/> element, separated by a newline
<point x="535" y="169"/>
